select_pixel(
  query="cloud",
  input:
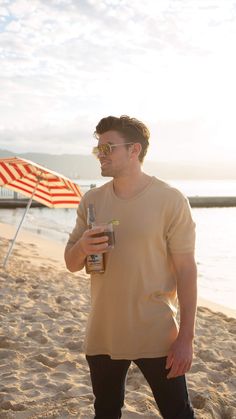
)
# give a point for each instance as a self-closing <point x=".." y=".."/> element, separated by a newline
<point x="73" y="60"/>
<point x="48" y="139"/>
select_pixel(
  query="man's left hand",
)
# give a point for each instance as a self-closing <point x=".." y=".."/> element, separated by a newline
<point x="180" y="357"/>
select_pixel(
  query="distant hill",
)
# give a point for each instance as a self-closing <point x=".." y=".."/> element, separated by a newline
<point x="86" y="167"/>
<point x="73" y="166"/>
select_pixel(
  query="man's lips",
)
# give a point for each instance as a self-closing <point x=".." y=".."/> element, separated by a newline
<point x="104" y="162"/>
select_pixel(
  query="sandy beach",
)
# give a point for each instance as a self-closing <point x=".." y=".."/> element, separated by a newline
<point x="44" y="374"/>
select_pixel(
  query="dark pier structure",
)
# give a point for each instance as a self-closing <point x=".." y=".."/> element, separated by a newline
<point x="195" y="202"/>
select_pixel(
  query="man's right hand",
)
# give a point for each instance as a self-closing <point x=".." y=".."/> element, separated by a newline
<point x="89" y="244"/>
<point x="75" y="255"/>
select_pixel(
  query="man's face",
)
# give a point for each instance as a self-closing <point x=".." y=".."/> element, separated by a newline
<point x="116" y="163"/>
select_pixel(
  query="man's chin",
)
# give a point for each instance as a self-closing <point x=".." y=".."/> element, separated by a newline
<point x="105" y="173"/>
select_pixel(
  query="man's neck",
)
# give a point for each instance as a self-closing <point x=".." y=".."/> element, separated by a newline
<point x="130" y="185"/>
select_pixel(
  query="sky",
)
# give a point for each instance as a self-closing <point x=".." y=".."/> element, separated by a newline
<point x="65" y="64"/>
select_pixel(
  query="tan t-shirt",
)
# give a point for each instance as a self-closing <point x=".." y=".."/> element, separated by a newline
<point x="134" y="303"/>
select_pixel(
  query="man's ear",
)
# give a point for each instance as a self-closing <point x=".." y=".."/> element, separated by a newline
<point x="136" y="149"/>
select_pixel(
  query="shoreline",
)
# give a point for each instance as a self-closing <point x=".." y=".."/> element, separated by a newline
<point x="54" y="250"/>
<point x="217" y="308"/>
<point x="49" y="249"/>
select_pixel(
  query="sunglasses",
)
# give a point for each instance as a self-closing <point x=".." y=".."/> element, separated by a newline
<point x="106" y="149"/>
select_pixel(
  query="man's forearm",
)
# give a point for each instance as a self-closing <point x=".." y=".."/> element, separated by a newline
<point x="180" y="355"/>
<point x="74" y="257"/>
<point x="187" y="296"/>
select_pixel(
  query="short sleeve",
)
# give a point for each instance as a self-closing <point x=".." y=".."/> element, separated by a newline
<point x="181" y="230"/>
<point x="81" y="223"/>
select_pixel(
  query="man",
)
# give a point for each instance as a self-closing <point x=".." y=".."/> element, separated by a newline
<point x="134" y="302"/>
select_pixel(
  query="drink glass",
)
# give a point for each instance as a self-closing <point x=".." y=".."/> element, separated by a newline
<point x="108" y="231"/>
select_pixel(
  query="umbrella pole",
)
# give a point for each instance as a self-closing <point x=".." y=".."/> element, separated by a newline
<point x="19" y="227"/>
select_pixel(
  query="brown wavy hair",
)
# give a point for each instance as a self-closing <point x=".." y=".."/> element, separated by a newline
<point x="131" y="129"/>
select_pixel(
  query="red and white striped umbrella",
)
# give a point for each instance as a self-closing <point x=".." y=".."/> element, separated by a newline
<point x="47" y="187"/>
<point x="37" y="182"/>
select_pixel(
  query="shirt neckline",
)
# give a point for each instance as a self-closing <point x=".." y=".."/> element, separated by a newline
<point x="139" y="194"/>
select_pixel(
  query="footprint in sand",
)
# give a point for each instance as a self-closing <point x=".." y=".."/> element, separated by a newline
<point x="34" y="286"/>
<point x="10" y="389"/>
<point x="217" y="378"/>
<point x="68" y="329"/>
<point x="46" y="361"/>
<point x="7" y="353"/>
<point x="4" y="309"/>
<point x="28" y="317"/>
<point x="20" y="280"/>
<point x="64" y="387"/>
<point x="232" y="329"/>
<point x="4" y="342"/>
<point x="53" y="353"/>
<point x="198" y="401"/>
<point x="26" y="385"/>
<point x="42" y="382"/>
<point x="74" y="345"/>
<point x="62" y="300"/>
<point x="52" y="314"/>
<point x="208" y="355"/>
<point x="34" y="295"/>
<point x="59" y="375"/>
<point x="38" y="336"/>
<point x="67" y="366"/>
<point x="7" y="405"/>
<point x="226" y="364"/>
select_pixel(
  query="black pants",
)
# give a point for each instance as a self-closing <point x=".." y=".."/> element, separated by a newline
<point x="108" y="382"/>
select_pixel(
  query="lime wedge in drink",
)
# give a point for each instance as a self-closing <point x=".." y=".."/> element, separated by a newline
<point x="114" y="222"/>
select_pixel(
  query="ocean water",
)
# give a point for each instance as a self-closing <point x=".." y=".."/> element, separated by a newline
<point x="188" y="187"/>
<point x="216" y="235"/>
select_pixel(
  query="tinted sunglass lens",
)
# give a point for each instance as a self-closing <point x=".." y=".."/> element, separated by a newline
<point x="95" y="151"/>
<point x="104" y="149"/>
